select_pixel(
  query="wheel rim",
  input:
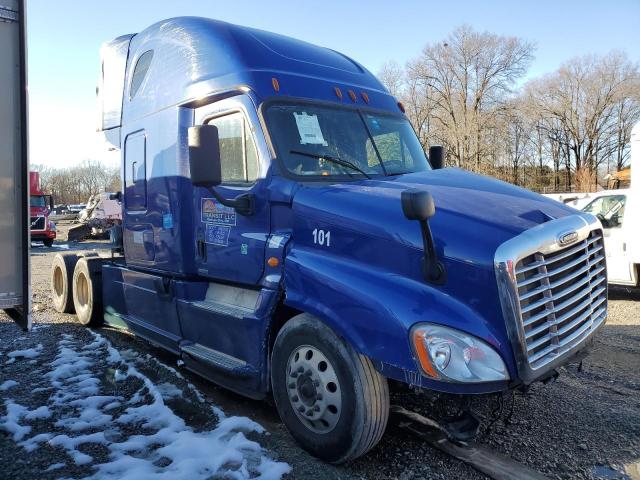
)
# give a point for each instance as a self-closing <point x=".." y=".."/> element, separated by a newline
<point x="83" y="290"/>
<point x="58" y="284"/>
<point x="313" y="389"/>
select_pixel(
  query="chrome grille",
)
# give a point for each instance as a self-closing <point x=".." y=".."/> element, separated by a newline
<point x="37" y="223"/>
<point x="562" y="296"/>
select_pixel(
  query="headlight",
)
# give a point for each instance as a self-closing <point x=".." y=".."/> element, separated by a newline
<point x="454" y="356"/>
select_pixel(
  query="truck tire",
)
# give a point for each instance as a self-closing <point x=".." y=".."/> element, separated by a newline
<point x="48" y="242"/>
<point x="87" y="291"/>
<point x="330" y="398"/>
<point x="62" y="282"/>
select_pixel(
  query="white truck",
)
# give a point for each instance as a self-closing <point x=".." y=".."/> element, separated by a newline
<point x="619" y="212"/>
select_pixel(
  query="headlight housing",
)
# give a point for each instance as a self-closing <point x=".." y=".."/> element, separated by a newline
<point x="451" y="355"/>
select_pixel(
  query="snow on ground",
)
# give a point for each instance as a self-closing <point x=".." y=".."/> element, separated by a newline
<point x="7" y="385"/>
<point x="28" y="353"/>
<point x="142" y="437"/>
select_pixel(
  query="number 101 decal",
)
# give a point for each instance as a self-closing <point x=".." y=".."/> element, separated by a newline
<point x="322" y="237"/>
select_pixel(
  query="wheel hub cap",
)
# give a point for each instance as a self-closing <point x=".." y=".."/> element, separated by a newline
<point x="313" y="388"/>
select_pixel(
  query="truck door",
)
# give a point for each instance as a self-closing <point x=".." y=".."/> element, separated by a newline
<point x="231" y="246"/>
<point x="610" y="210"/>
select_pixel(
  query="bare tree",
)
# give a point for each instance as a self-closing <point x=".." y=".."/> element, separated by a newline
<point x="75" y="184"/>
<point x="595" y="100"/>
<point x="461" y="93"/>
<point x="469" y="77"/>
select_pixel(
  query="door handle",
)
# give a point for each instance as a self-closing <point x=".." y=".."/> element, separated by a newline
<point x="163" y="287"/>
<point x="202" y="250"/>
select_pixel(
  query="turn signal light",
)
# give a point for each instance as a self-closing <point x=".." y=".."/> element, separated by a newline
<point x="420" y="347"/>
<point x="273" y="262"/>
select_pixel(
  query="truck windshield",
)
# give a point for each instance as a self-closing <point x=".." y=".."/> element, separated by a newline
<point x="317" y="141"/>
<point x="38" y="201"/>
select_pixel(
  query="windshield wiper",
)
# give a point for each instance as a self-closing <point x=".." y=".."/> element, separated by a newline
<point x="337" y="161"/>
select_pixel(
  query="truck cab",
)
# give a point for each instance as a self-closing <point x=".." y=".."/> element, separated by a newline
<point x="40" y="207"/>
<point x="285" y="234"/>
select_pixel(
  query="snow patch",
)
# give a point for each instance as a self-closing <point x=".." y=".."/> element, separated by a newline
<point x="28" y="353"/>
<point x="169" y="390"/>
<point x="163" y="447"/>
<point x="55" y="466"/>
<point x="7" y="385"/>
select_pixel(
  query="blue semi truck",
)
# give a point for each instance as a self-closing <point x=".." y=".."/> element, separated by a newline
<point x="285" y="234"/>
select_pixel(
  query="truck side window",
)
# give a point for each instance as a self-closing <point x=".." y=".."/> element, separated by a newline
<point x="237" y="150"/>
<point x="140" y="72"/>
<point x="609" y="209"/>
<point x="135" y="174"/>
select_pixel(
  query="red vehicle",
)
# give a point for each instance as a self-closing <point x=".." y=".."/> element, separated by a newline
<point x="41" y="205"/>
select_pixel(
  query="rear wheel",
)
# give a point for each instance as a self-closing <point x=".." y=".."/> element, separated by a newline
<point x="87" y="291"/>
<point x="331" y="399"/>
<point x="61" y="282"/>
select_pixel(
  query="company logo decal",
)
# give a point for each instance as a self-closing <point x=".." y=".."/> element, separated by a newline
<point x="567" y="238"/>
<point x="217" y="214"/>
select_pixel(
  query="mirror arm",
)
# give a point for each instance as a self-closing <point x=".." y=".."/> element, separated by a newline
<point x="244" y="204"/>
<point x="433" y="269"/>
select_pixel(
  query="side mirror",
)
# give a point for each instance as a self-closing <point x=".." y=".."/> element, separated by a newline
<point x="204" y="156"/>
<point x="436" y="156"/>
<point x="417" y="204"/>
<point x="50" y="202"/>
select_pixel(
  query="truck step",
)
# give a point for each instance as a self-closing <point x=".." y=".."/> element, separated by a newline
<point x="234" y="311"/>
<point x="218" y="360"/>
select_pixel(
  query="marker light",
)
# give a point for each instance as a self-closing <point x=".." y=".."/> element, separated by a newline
<point x="401" y="106"/>
<point x="365" y="97"/>
<point x="352" y="95"/>
<point x="451" y="355"/>
<point x="273" y="262"/>
<point x="338" y="92"/>
<point x="276" y="84"/>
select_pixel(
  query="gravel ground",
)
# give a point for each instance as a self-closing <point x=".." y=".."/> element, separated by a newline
<point x="584" y="425"/>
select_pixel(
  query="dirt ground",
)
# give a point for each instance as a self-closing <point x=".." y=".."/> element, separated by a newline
<point x="584" y="425"/>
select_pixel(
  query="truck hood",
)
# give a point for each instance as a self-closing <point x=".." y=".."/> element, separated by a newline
<point x="474" y="213"/>
<point x="474" y="216"/>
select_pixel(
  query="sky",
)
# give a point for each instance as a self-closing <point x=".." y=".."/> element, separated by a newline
<point x="64" y="38"/>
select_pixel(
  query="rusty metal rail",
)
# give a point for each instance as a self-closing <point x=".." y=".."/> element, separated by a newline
<point x="480" y="457"/>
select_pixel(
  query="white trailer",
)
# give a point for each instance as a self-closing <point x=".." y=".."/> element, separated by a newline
<point x="15" y="297"/>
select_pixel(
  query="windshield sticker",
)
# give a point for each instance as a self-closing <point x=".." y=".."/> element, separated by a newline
<point x="217" y="235"/>
<point x="309" y="129"/>
<point x="217" y="214"/>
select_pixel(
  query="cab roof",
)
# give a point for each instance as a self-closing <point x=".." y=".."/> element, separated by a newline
<point x="195" y="57"/>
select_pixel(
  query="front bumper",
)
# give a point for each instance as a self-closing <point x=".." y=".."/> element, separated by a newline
<point x="43" y="234"/>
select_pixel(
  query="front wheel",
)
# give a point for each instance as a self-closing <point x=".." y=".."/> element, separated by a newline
<point x="331" y="399"/>
<point x="48" y="242"/>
